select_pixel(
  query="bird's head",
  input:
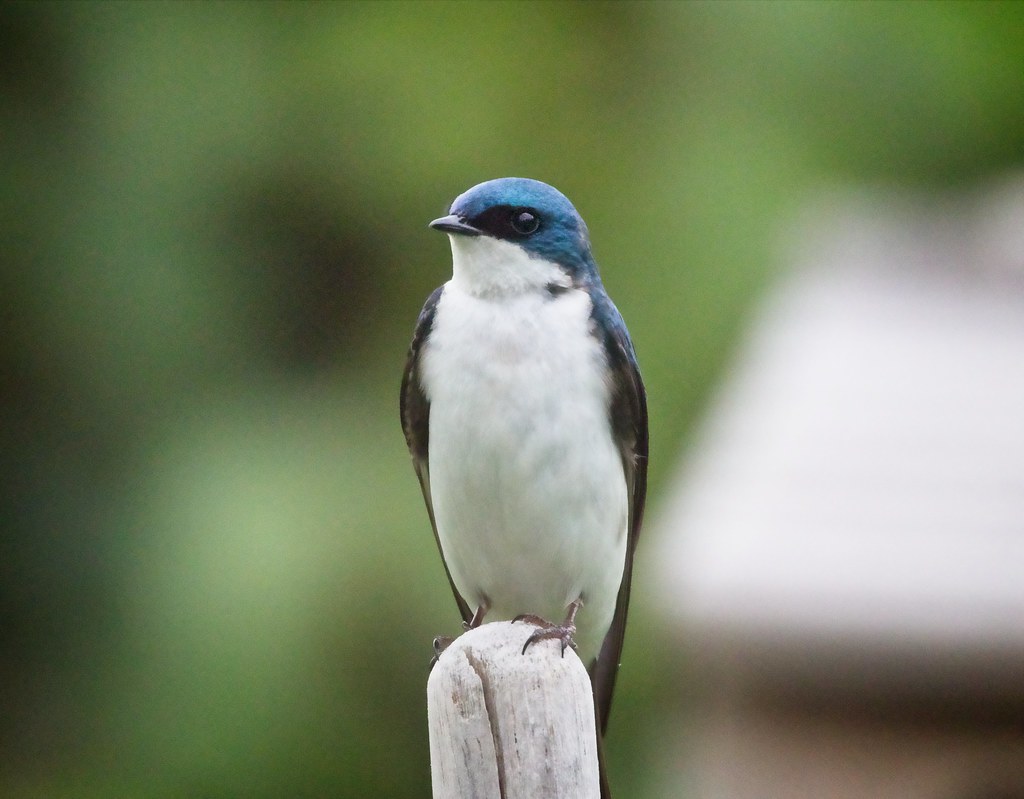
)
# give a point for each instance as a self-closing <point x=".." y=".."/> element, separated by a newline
<point x="512" y="235"/>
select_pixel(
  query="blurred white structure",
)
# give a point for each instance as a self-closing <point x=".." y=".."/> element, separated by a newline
<point x="844" y="547"/>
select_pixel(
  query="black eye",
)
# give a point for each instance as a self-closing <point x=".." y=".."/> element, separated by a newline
<point x="524" y="222"/>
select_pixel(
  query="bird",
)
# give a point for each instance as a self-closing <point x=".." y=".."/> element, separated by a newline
<point x="525" y="415"/>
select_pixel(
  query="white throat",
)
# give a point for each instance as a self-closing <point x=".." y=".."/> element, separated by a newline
<point x="484" y="266"/>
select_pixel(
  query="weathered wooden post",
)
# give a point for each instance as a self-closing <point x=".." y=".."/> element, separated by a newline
<point x="511" y="725"/>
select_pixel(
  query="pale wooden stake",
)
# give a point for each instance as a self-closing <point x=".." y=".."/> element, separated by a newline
<point x="511" y="725"/>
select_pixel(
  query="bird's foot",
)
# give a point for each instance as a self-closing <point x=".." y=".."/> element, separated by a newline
<point x="563" y="632"/>
<point x="478" y="616"/>
<point x="441" y="643"/>
<point x="548" y="631"/>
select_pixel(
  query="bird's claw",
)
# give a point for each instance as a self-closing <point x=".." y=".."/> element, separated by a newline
<point x="439" y="644"/>
<point x="548" y="631"/>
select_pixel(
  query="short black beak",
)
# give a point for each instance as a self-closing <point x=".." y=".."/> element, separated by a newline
<point x="454" y="224"/>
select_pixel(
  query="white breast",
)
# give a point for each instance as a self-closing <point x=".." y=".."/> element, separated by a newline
<point x="526" y="482"/>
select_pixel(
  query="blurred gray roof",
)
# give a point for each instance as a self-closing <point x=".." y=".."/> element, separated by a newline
<point x="857" y="488"/>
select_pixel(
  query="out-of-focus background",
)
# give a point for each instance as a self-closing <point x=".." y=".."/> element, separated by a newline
<point x="217" y="578"/>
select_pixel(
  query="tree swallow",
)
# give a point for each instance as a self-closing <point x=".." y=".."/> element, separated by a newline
<point x="526" y="418"/>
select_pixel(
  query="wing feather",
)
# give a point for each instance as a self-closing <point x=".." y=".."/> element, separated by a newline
<point x="628" y="417"/>
<point x="414" y="407"/>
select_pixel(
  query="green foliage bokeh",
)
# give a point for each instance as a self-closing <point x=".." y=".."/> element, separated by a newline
<point x="216" y="577"/>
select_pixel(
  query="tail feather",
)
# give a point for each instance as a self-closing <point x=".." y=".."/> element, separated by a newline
<point x="606" y="791"/>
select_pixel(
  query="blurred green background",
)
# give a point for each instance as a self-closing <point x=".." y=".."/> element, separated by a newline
<point x="216" y="575"/>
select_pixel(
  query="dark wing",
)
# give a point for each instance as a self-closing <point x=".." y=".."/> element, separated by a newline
<point x="415" y="412"/>
<point x="628" y="416"/>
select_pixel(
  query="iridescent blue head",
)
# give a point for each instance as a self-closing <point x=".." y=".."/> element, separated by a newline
<point x="529" y="214"/>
